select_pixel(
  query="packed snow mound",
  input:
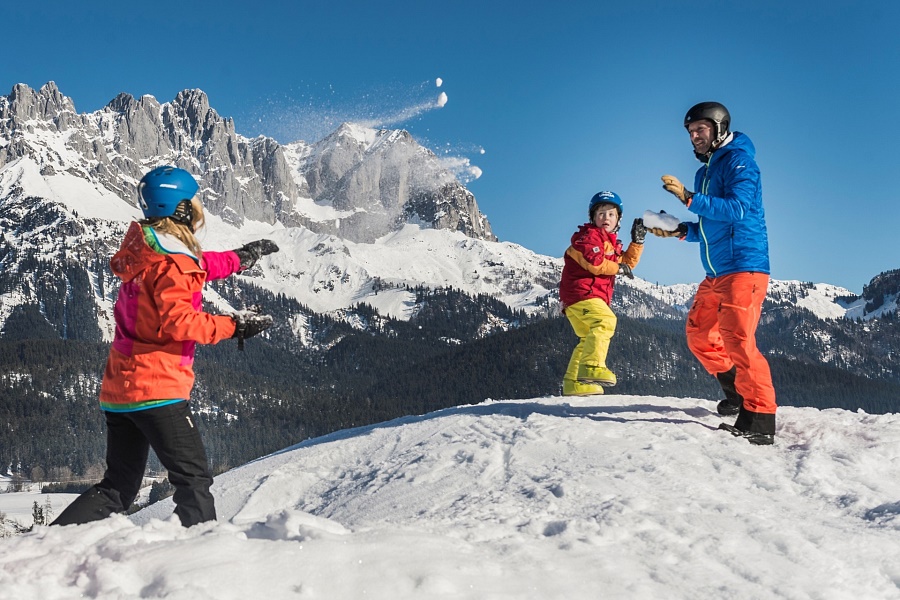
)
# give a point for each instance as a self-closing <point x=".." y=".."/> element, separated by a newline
<point x="613" y="496"/>
<point x="660" y="220"/>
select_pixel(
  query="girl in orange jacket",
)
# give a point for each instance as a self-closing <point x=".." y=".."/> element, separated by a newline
<point x="149" y="373"/>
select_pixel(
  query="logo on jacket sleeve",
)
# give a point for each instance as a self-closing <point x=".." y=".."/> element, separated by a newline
<point x="595" y="250"/>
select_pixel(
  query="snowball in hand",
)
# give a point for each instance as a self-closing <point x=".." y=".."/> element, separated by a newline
<point x="660" y="220"/>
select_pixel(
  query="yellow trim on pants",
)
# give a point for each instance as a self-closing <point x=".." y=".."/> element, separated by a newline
<point x="594" y="323"/>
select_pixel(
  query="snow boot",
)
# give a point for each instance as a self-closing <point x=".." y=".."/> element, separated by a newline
<point x="756" y="428"/>
<point x="754" y="437"/>
<point x="733" y="401"/>
<point x="576" y="388"/>
<point x="594" y="374"/>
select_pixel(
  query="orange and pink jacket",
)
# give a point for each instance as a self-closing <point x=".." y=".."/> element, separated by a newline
<point x="591" y="264"/>
<point x="159" y="320"/>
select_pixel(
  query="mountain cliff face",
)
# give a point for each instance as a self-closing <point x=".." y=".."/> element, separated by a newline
<point x="112" y="148"/>
<point x="362" y="216"/>
<point x="376" y="181"/>
<point x="68" y="187"/>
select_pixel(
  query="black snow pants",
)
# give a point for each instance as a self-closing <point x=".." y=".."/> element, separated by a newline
<point x="171" y="432"/>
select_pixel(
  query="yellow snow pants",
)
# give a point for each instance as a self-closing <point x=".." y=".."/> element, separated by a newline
<point x="594" y="324"/>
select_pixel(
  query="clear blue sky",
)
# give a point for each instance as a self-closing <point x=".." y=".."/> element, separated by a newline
<point x="565" y="98"/>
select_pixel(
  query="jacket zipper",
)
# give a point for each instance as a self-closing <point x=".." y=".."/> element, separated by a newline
<point x="704" y="189"/>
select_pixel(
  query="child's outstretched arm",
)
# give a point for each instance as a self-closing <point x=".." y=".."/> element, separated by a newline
<point x="632" y="255"/>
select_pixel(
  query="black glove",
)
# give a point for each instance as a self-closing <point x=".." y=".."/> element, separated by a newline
<point x="680" y="231"/>
<point x="248" y="323"/>
<point x="638" y="231"/>
<point x="675" y="187"/>
<point x="252" y="252"/>
<point x="626" y="271"/>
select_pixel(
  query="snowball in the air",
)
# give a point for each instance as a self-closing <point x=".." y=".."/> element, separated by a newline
<point x="442" y="99"/>
<point x="475" y="171"/>
<point x="438" y="82"/>
<point x="660" y="220"/>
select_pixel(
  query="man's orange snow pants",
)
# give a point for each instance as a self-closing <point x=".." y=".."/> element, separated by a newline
<point x="721" y="332"/>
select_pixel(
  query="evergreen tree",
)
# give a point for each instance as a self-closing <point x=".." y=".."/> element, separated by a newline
<point x="37" y="513"/>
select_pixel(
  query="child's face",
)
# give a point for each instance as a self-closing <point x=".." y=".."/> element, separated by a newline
<point x="606" y="217"/>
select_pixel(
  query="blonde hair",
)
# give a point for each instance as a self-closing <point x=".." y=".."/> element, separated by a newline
<point x="181" y="231"/>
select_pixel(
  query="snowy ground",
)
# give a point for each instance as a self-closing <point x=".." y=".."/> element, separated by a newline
<point x="605" y="497"/>
<point x="19" y="506"/>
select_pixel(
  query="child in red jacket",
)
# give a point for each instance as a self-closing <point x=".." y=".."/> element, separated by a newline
<point x="149" y="373"/>
<point x="591" y="264"/>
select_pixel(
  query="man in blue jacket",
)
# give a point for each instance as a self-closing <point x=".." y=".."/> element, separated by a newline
<point x="734" y="250"/>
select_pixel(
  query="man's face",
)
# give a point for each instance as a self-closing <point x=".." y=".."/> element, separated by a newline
<point x="702" y="133"/>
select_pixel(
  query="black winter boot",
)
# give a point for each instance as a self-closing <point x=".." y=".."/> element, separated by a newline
<point x="733" y="401"/>
<point x="754" y="437"/>
<point x="756" y="428"/>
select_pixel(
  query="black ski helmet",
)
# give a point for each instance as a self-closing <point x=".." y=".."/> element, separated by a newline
<point x="711" y="111"/>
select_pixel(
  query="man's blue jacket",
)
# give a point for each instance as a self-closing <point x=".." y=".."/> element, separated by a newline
<point x="728" y="199"/>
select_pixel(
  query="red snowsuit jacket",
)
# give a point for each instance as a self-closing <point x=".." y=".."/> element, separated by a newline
<point x="591" y="263"/>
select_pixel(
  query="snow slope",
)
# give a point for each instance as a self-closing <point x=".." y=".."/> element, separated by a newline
<point x="604" y="497"/>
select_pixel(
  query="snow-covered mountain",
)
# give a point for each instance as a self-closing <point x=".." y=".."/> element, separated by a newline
<point x="357" y="182"/>
<point x="361" y="215"/>
<point x="608" y="497"/>
<point x="365" y="182"/>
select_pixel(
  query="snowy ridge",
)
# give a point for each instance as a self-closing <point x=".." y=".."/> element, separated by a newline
<point x="610" y="496"/>
<point x="857" y="309"/>
<point x="823" y="300"/>
<point x="351" y="243"/>
<point x="328" y="273"/>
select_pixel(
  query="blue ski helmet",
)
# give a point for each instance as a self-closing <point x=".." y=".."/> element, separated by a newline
<point x="161" y="190"/>
<point x="605" y="198"/>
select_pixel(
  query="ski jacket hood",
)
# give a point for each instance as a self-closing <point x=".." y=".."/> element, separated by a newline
<point x="591" y="263"/>
<point x="731" y="228"/>
<point x="159" y="319"/>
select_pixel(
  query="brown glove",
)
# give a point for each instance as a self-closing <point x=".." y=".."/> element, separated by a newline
<point x="681" y="231"/>
<point x="673" y="186"/>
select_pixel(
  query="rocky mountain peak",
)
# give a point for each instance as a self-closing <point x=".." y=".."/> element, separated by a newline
<point x="376" y="180"/>
<point x="882" y="294"/>
<point x="47" y="103"/>
<point x="379" y="179"/>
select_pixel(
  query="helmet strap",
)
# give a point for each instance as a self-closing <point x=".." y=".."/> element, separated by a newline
<point x="721" y="139"/>
<point x="184" y="214"/>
